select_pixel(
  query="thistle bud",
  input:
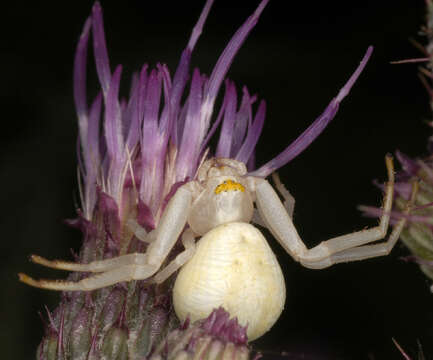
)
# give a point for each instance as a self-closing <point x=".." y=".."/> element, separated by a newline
<point x="216" y="337"/>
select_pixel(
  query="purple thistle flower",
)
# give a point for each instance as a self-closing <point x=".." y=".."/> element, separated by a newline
<point x="134" y="154"/>
<point x="153" y="141"/>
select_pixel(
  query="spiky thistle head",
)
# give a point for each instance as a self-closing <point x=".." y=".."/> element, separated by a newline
<point x="134" y="153"/>
<point x="418" y="234"/>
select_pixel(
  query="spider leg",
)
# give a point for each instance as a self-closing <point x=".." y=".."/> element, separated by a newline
<point x="349" y="241"/>
<point x="370" y="251"/>
<point x="289" y="202"/>
<point x="106" y="264"/>
<point x="170" y="226"/>
<point x="275" y="217"/>
<point x="188" y="241"/>
<point x="127" y="267"/>
<point x="281" y="226"/>
<point x="111" y="277"/>
<point x="94" y="266"/>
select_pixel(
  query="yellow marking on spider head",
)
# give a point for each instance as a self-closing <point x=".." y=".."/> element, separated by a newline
<point x="229" y="185"/>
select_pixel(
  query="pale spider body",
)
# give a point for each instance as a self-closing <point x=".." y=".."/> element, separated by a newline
<point x="232" y="265"/>
<point x="235" y="268"/>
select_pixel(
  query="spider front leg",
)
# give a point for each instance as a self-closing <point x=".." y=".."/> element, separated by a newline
<point x="107" y="264"/>
<point x="127" y="267"/>
<point x="324" y="255"/>
<point x="289" y="202"/>
<point x="111" y="277"/>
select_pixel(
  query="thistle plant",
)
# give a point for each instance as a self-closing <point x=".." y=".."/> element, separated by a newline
<point x="134" y="154"/>
<point x="418" y="235"/>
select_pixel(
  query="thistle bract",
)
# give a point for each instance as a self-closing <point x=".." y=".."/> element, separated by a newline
<point x="134" y="153"/>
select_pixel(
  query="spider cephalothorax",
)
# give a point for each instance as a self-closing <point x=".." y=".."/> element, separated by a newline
<point x="222" y="194"/>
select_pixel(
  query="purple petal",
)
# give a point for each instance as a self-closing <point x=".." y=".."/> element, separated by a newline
<point x="151" y="109"/>
<point x="81" y="167"/>
<point x="180" y="78"/>
<point x="138" y="112"/>
<point x="100" y="48"/>
<point x="124" y="115"/>
<point x="346" y="88"/>
<point x="189" y="147"/>
<point x="92" y="157"/>
<point x="198" y="28"/>
<point x="134" y="84"/>
<point x="179" y="126"/>
<point x="224" y="62"/>
<point x="216" y="122"/>
<point x="225" y="140"/>
<point x="165" y="121"/>
<point x="93" y="134"/>
<point x="131" y="105"/>
<point x="181" y="75"/>
<point x="153" y="143"/>
<point x="314" y="130"/>
<point x="242" y="122"/>
<point x="80" y="64"/>
<point x="132" y="130"/>
<point x="253" y="134"/>
<point x="113" y="119"/>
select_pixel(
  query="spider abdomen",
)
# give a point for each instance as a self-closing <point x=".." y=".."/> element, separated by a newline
<point x="235" y="268"/>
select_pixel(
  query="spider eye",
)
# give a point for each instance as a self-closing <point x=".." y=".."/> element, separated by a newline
<point x="229" y="185"/>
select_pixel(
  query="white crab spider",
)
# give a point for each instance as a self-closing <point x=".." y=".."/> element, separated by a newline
<point x="232" y="265"/>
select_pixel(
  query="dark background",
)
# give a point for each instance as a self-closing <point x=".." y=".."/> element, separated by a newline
<point x="297" y="58"/>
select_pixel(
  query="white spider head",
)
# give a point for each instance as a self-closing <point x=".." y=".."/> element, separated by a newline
<point x="224" y="195"/>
